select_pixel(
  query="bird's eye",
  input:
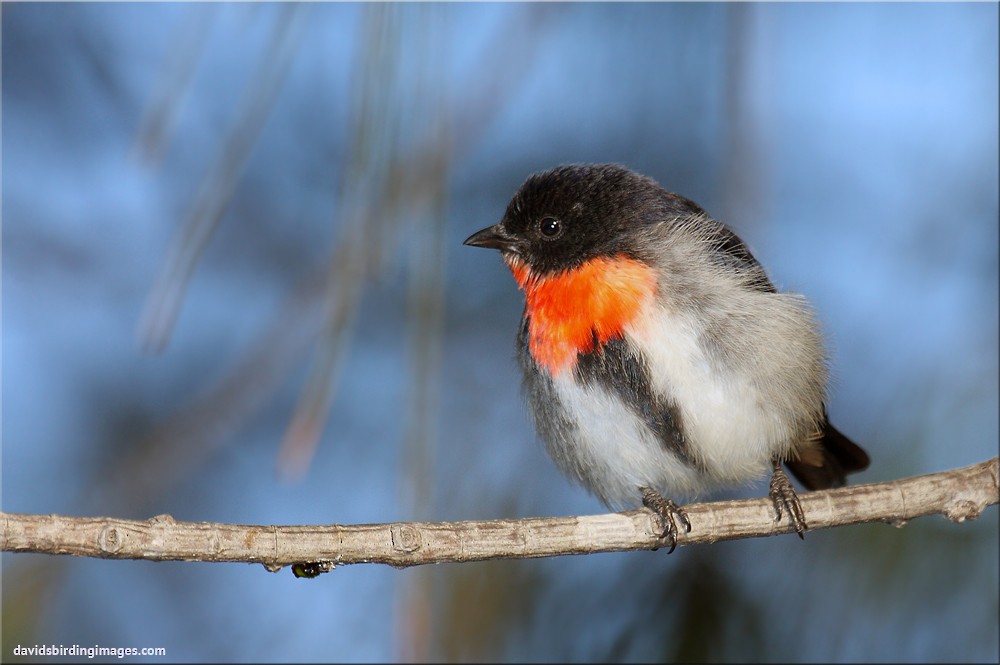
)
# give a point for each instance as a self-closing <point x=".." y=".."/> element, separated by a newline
<point x="550" y="227"/>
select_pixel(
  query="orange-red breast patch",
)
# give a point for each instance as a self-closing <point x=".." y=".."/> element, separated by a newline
<point x="572" y="310"/>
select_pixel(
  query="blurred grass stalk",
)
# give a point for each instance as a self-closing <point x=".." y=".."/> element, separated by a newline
<point x="405" y="135"/>
<point x="395" y="169"/>
<point x="362" y="196"/>
<point x="162" y="112"/>
<point x="323" y="302"/>
<point x="220" y="182"/>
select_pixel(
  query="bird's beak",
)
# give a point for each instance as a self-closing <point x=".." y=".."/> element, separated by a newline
<point x="494" y="237"/>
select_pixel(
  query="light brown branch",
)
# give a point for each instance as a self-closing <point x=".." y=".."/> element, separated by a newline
<point x="959" y="495"/>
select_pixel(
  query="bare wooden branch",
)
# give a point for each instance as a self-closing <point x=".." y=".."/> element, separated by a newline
<point x="959" y="495"/>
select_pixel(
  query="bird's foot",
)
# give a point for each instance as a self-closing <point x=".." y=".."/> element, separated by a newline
<point x="668" y="514"/>
<point x="785" y="499"/>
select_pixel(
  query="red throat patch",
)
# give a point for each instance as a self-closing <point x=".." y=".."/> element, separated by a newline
<point x="572" y="310"/>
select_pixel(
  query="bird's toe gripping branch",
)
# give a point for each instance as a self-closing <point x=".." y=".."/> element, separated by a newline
<point x="669" y="514"/>
<point x="785" y="499"/>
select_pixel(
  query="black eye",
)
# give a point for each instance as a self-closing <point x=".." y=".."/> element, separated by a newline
<point x="550" y="227"/>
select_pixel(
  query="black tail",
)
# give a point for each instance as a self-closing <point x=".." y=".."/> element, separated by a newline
<point x="841" y="456"/>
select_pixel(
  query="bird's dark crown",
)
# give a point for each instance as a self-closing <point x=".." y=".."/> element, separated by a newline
<point x="562" y="217"/>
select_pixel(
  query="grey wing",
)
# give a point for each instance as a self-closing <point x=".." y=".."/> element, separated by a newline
<point x="735" y="255"/>
<point x="839" y="455"/>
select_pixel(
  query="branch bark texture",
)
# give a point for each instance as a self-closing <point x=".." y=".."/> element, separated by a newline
<point x="959" y="495"/>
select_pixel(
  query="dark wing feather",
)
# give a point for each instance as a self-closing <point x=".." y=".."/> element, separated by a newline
<point x="840" y="456"/>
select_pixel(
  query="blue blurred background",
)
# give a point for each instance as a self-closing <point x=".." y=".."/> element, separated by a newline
<point x="234" y="289"/>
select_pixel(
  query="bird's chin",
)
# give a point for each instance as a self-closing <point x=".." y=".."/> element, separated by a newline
<point x="513" y="260"/>
<point x="520" y="269"/>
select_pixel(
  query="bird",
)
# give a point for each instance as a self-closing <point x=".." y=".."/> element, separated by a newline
<point x="658" y="358"/>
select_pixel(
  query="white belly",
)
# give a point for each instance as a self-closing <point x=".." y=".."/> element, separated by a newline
<point x="729" y="426"/>
<point x="617" y="450"/>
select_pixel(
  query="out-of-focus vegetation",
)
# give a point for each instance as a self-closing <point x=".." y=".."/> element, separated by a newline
<point x="234" y="290"/>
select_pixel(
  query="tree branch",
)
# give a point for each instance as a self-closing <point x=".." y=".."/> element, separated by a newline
<point x="959" y="495"/>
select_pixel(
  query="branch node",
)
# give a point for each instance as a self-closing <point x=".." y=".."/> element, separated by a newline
<point x="162" y="519"/>
<point x="110" y="539"/>
<point x="405" y="538"/>
<point x="959" y="511"/>
<point x="214" y="543"/>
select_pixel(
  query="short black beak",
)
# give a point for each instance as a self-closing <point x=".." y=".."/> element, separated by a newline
<point x="493" y="237"/>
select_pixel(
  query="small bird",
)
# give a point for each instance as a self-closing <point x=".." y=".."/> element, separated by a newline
<point x="658" y="358"/>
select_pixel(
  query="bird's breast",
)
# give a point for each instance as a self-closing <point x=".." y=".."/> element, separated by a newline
<point x="577" y="310"/>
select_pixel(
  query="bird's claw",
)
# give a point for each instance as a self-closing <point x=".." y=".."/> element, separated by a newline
<point x="668" y="514"/>
<point x="785" y="499"/>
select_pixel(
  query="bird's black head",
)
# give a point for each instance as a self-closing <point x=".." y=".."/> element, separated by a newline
<point x="563" y="217"/>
